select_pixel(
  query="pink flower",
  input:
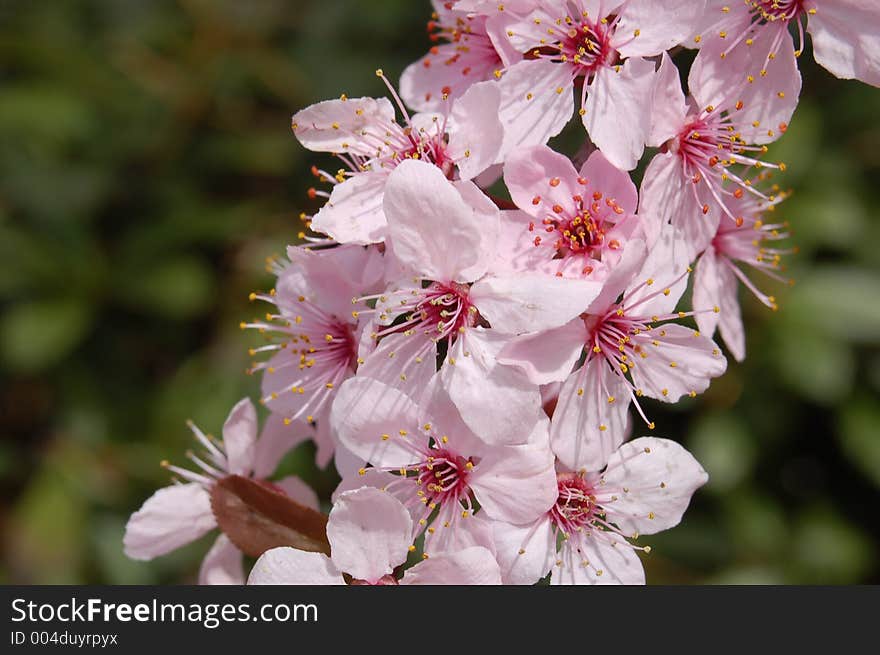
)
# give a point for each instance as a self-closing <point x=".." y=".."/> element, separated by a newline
<point x="181" y="513"/>
<point x="370" y="534"/>
<point x="629" y="349"/>
<point x="442" y="237"/>
<point x="365" y="135"/>
<point x="717" y="274"/>
<point x="644" y="488"/>
<point x="704" y="142"/>
<point x="845" y="34"/>
<point x="425" y="455"/>
<point x="450" y="69"/>
<point x="573" y="223"/>
<point x="603" y="43"/>
<point x="313" y="337"/>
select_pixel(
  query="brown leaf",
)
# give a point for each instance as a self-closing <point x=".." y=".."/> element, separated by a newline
<point x="257" y="518"/>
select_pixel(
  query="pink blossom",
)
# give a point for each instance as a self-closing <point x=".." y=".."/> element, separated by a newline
<point x="602" y="43"/>
<point x="313" y="338"/>
<point x="365" y="135"/>
<point x="370" y="534"/>
<point x="644" y="488"/>
<point x="705" y="141"/>
<point x="573" y="223"/>
<point x="450" y="69"/>
<point x="181" y="513"/>
<point x="629" y="349"/>
<point x="717" y="274"/>
<point x="425" y="455"/>
<point x="442" y="237"/>
<point x="845" y="35"/>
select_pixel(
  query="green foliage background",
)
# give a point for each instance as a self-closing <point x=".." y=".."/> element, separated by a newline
<point x="147" y="170"/>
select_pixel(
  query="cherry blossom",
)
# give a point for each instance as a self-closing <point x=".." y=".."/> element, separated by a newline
<point x="312" y="336"/>
<point x="181" y="513"/>
<point x="604" y="44"/>
<point x="845" y="36"/>
<point x="644" y="487"/>
<point x="364" y="134"/>
<point x="707" y="143"/>
<point x="717" y="275"/>
<point x="429" y="459"/>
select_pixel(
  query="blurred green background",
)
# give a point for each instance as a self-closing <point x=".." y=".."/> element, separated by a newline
<point x="147" y="170"/>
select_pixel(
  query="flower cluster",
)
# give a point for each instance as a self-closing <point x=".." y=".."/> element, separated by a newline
<point x="475" y="364"/>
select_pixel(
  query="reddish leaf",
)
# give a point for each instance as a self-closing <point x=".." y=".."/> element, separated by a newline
<point x="257" y="518"/>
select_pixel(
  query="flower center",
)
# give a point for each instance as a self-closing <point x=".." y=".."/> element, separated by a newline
<point x="443" y="476"/>
<point x="575" y="505"/>
<point x="777" y="10"/>
<point x="581" y="228"/>
<point x="586" y="46"/>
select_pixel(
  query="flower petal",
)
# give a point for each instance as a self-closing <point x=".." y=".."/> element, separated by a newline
<point x="338" y="125"/>
<point x="170" y="518"/>
<point x="367" y="417"/>
<point x="471" y="566"/>
<point x="526" y="553"/>
<point x="294" y="567"/>
<point x="370" y="532"/>
<point x="617" y="117"/>
<point x="652" y="481"/>
<point x="354" y="213"/>
<point x="536" y="103"/>
<point x="589" y="422"/>
<point x="223" y="565"/>
<point x="435" y="232"/>
<point x="547" y="356"/>
<point x="239" y="437"/>
<point x="475" y="131"/>
<point x="515" y="483"/>
<point x="598" y="558"/>
<point x="846" y="39"/>
<point x="299" y="491"/>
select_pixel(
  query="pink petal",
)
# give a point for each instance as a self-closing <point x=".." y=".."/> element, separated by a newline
<point x="496" y="402"/>
<point x="364" y="411"/>
<point x="239" y="437"/>
<point x="337" y="125"/>
<point x="435" y="232"/>
<point x="516" y="484"/>
<point x="587" y="424"/>
<point x="476" y="132"/>
<point x="354" y="213"/>
<point x="449" y="68"/>
<point x="769" y="99"/>
<point x="170" y="518"/>
<point x="661" y="25"/>
<point x="276" y="440"/>
<point x="612" y="182"/>
<point x="669" y="108"/>
<point x="547" y="356"/>
<point x="533" y="109"/>
<point x="370" y="533"/>
<point x="667" y="268"/>
<point x="223" y="565"/>
<point x="528" y="172"/>
<point x="678" y="361"/>
<point x="602" y="551"/>
<point x="617" y="117"/>
<point x="846" y="39"/>
<point x="471" y="566"/>
<point x="532" y="302"/>
<point x="653" y="481"/>
<point x="294" y="567"/>
<point x="526" y="553"/>
<point x="716" y="286"/>
<point x="667" y="196"/>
